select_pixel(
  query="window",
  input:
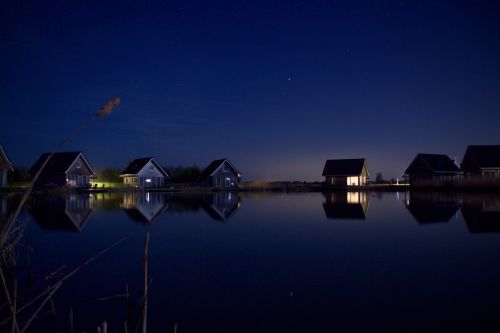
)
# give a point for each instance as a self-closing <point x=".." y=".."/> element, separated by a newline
<point x="78" y="164"/>
<point x="225" y="168"/>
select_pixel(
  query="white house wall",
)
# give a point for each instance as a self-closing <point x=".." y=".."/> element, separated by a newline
<point x="149" y="170"/>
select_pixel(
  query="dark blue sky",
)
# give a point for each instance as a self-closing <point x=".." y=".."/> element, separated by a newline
<point x="275" y="86"/>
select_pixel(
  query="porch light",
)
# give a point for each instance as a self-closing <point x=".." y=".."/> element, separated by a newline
<point x="148" y="180"/>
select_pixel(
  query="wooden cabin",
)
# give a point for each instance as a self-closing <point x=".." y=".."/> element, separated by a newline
<point x="64" y="169"/>
<point x="432" y="169"/>
<point x="5" y="167"/>
<point x="144" y="173"/>
<point x="345" y="172"/>
<point x="481" y="161"/>
<point x="220" y="173"/>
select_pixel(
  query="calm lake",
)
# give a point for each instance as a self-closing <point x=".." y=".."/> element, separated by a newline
<point x="258" y="262"/>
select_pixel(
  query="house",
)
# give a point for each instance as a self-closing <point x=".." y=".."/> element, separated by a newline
<point x="5" y="166"/>
<point x="144" y="173"/>
<point x="481" y="161"/>
<point x="67" y="169"/>
<point x="346" y="205"/>
<point x="432" y="169"/>
<point x="346" y="172"/>
<point x="220" y="173"/>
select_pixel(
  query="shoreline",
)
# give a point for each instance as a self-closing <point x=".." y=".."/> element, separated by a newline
<point x="283" y="187"/>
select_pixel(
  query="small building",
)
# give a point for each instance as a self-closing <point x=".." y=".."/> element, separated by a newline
<point x="144" y="173"/>
<point x="64" y="169"/>
<point x="220" y="173"/>
<point x="481" y="161"/>
<point x="432" y="169"/>
<point x="345" y="172"/>
<point x="5" y="166"/>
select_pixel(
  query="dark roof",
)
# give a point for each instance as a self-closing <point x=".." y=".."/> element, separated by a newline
<point x="4" y="156"/>
<point x="346" y="167"/>
<point x="485" y="156"/>
<point x="215" y="164"/>
<point x="136" y="165"/>
<point x="436" y="163"/>
<point x="58" y="163"/>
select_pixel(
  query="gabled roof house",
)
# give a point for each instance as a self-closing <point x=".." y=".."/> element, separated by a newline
<point x="67" y="169"/>
<point x="346" y="172"/>
<point x="220" y="173"/>
<point x="432" y="169"/>
<point x="5" y="166"/>
<point x="144" y="172"/>
<point x="483" y="161"/>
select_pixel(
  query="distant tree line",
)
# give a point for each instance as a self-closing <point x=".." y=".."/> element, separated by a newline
<point x="109" y="175"/>
<point x="379" y="179"/>
<point x="178" y="174"/>
<point x="182" y="174"/>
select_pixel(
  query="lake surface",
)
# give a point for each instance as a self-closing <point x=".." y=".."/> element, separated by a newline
<point x="257" y="262"/>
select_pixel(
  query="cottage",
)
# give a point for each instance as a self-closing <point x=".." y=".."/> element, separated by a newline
<point x="220" y="173"/>
<point x="65" y="169"/>
<point x="481" y="161"/>
<point x="346" y="172"/>
<point x="144" y="173"/>
<point x="5" y="166"/>
<point x="432" y="169"/>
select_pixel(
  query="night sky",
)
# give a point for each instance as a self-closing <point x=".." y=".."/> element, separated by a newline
<point x="277" y="87"/>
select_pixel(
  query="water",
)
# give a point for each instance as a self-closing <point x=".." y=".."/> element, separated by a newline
<point x="255" y="262"/>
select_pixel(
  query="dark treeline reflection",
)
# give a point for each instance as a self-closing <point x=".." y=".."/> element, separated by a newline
<point x="346" y="205"/>
<point x="71" y="212"/>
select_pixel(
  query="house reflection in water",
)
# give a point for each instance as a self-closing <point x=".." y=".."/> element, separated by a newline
<point x="481" y="213"/>
<point x="431" y="207"/>
<point x="346" y="205"/>
<point x="65" y="213"/>
<point x="221" y="205"/>
<point x="144" y="207"/>
<point x="3" y="211"/>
